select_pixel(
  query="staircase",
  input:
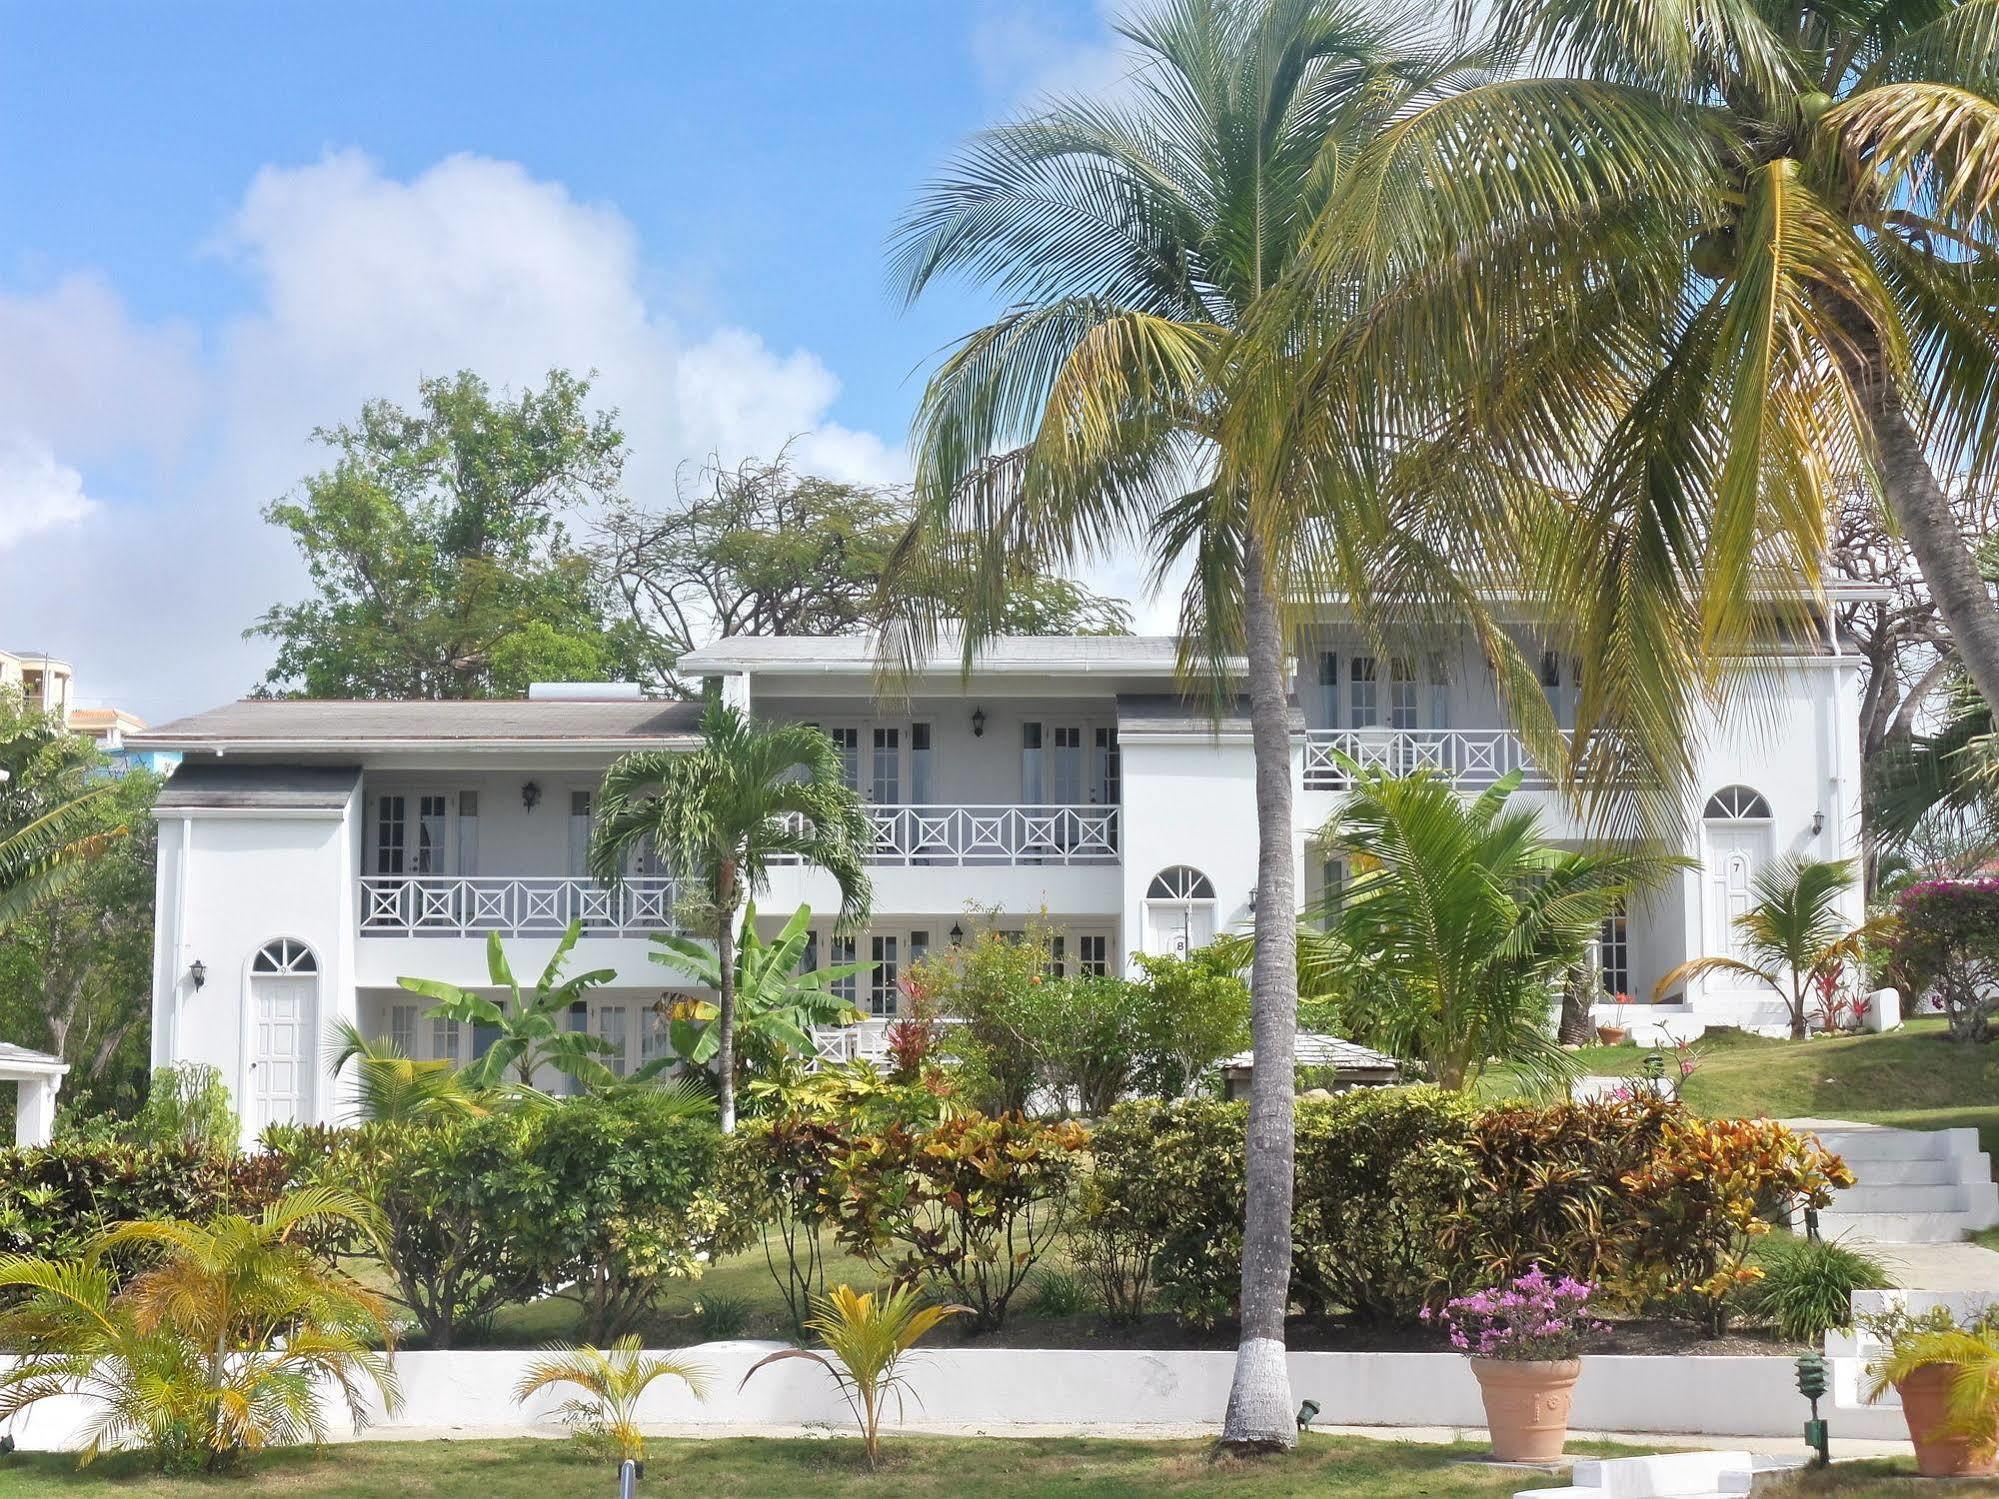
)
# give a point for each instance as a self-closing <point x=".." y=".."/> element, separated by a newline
<point x="1914" y="1186"/>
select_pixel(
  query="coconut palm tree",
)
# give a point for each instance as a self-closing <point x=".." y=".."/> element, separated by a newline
<point x="1794" y="934"/>
<point x="226" y="1344"/>
<point x="1719" y="258"/>
<point x="1136" y="238"/>
<point x="606" y="1414"/>
<point x="720" y="815"/>
<point x="1455" y="933"/>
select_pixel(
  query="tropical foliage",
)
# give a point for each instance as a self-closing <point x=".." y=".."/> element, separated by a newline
<point x="1944" y="946"/>
<point x="533" y="1030"/>
<point x="777" y="1005"/>
<point x="1703" y="271"/>
<point x="226" y="1344"/>
<point x="605" y="1414"/>
<point x="721" y="814"/>
<point x="867" y="1337"/>
<point x="1969" y="1347"/>
<point x="53" y="819"/>
<point x="1794" y="935"/>
<point x="392" y="1088"/>
<point x="1455" y="929"/>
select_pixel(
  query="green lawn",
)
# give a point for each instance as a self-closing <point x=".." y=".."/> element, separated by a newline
<point x="1353" y="1468"/>
<point x="1916" y="1078"/>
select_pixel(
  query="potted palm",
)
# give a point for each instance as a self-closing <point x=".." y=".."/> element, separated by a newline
<point x="1947" y="1375"/>
<point x="1525" y="1344"/>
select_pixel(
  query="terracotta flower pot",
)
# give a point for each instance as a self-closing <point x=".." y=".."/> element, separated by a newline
<point x="1925" y="1395"/>
<point x="1527" y="1405"/>
<point x="1612" y="1035"/>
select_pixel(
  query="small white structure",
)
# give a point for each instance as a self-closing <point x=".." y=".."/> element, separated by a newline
<point x="37" y="1078"/>
<point x="1882" y="1011"/>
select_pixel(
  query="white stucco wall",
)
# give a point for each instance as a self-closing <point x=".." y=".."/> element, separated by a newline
<point x="228" y="884"/>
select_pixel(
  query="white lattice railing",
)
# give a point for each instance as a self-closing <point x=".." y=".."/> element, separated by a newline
<point x="994" y="835"/>
<point x="1469" y="757"/>
<point x="449" y="905"/>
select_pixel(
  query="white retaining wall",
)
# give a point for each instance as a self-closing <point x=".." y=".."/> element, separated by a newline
<point x="1743" y="1396"/>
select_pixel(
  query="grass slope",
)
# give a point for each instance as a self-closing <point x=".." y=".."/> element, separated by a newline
<point x="1916" y="1078"/>
<point x="913" y="1466"/>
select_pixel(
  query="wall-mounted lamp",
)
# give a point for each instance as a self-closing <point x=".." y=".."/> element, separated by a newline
<point x="198" y="971"/>
<point x="530" y="794"/>
<point x="1818" y="823"/>
<point x="957" y="934"/>
<point x="978" y="723"/>
<point x="1252" y="900"/>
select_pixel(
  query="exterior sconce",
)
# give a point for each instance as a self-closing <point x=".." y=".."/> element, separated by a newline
<point x="1818" y="823"/>
<point x="957" y="934"/>
<point x="1252" y="900"/>
<point x="530" y="794"/>
<point x="198" y="971"/>
<point x="978" y="723"/>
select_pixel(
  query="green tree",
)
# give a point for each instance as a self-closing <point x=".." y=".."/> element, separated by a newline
<point x="533" y="1029"/>
<point x="719" y="815"/>
<point x="1721" y="260"/>
<point x="762" y="549"/>
<point x="393" y="1088"/>
<point x="440" y="563"/>
<point x="606" y="1413"/>
<point x="1449" y="942"/>
<point x="1131" y="399"/>
<point x="76" y="963"/>
<point x="1794" y="934"/>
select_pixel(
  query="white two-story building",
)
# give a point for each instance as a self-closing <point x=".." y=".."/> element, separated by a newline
<point x="312" y="853"/>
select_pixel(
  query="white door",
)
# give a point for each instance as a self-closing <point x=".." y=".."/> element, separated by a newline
<point x="1179" y="927"/>
<point x="281" y="1058"/>
<point x="1736" y="852"/>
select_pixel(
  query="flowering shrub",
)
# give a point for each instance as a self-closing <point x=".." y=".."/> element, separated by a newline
<point x="1536" y="1318"/>
<point x="1945" y="947"/>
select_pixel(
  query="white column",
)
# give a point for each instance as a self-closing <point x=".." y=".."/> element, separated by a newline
<point x="35" y="1108"/>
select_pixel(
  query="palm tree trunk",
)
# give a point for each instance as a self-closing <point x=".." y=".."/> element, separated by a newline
<point x="1923" y="511"/>
<point x="725" y="1005"/>
<point x="1260" y="1410"/>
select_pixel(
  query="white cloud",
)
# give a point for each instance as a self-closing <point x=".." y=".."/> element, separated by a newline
<point x="360" y="284"/>
<point x="37" y="493"/>
<point x="1026" y="53"/>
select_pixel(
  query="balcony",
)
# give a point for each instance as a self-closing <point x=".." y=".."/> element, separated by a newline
<point x="445" y="905"/>
<point x="1469" y="758"/>
<point x="987" y="836"/>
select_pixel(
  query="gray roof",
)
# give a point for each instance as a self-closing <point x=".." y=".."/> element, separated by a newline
<point x="20" y="1058"/>
<point x="336" y="722"/>
<point x="232" y="785"/>
<point x="1031" y="653"/>
<point x="1318" y="1050"/>
<point x="1172" y="713"/>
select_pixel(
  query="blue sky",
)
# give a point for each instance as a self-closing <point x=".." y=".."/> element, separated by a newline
<point x="225" y="223"/>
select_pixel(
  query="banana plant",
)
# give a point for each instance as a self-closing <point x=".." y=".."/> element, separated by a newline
<point x="776" y="1005"/>
<point x="533" y="1028"/>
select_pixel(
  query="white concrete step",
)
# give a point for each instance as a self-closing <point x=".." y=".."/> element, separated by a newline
<point x="1899" y="1197"/>
<point x="1894" y="1228"/>
<point x="1912" y="1187"/>
<point x="1877" y="1142"/>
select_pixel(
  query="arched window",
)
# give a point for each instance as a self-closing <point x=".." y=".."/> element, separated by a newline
<point x="1181" y="882"/>
<point x="1737" y="804"/>
<point x="284" y="956"/>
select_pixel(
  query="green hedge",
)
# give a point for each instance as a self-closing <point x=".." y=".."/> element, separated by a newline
<point x="55" y="1198"/>
<point x="1407" y="1196"/>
